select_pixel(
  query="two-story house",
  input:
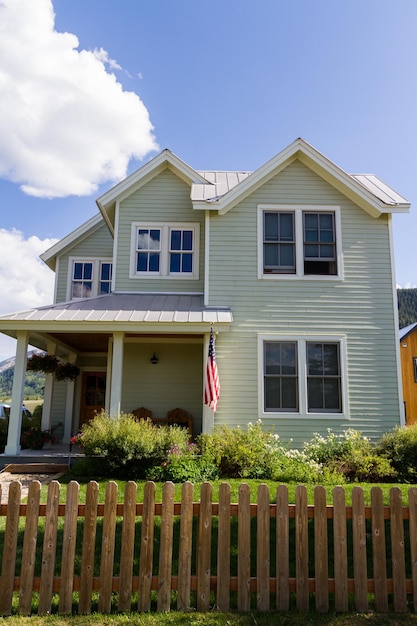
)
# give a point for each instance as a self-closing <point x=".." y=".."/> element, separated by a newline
<point x="292" y="266"/>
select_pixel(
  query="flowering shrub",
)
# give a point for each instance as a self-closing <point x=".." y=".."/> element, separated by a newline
<point x="399" y="446"/>
<point x="35" y="438"/>
<point x="183" y="464"/>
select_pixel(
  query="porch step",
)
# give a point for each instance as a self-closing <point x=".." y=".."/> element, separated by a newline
<point x="36" y="468"/>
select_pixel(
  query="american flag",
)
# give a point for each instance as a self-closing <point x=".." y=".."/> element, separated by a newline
<point x="212" y="384"/>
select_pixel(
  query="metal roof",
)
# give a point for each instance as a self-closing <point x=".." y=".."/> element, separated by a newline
<point x="379" y="189"/>
<point x="404" y="332"/>
<point x="219" y="184"/>
<point x="129" y="308"/>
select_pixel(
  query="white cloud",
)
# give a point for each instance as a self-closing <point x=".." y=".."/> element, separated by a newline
<point x="25" y="281"/>
<point x="66" y="124"/>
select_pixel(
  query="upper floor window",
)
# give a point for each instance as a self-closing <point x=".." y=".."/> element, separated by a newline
<point x="165" y="250"/>
<point x="303" y="241"/>
<point x="89" y="278"/>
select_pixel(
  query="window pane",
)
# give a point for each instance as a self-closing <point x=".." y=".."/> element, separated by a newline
<point x="289" y="394"/>
<point x="332" y="394"/>
<point x="280" y="379"/>
<point x="105" y="271"/>
<point x="88" y="271"/>
<point x="315" y="358"/>
<point x="143" y="239"/>
<point x="323" y="377"/>
<point x="272" y="393"/>
<point x="331" y="359"/>
<point x="187" y="262"/>
<point x="78" y="271"/>
<point x="271" y="226"/>
<point x="175" y="263"/>
<point x="287" y="255"/>
<point x="271" y="255"/>
<point x="142" y="264"/>
<point x="154" y="262"/>
<point x="187" y="240"/>
<point x="175" y="240"/>
<point x="286" y="226"/>
<point x="155" y="238"/>
<point x="315" y="394"/>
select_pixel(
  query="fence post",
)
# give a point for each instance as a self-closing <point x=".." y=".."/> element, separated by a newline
<point x="398" y="554"/>
<point x="107" y="548"/>
<point x="185" y="547"/>
<point x="340" y="550"/>
<point x="282" y="549"/>
<point x="204" y="548"/>
<point x="223" y="549"/>
<point x="68" y="548"/>
<point x="29" y="548"/>
<point x="263" y="549"/>
<point x="165" y="548"/>
<point x="146" y="548"/>
<point x="89" y="542"/>
<point x="128" y="547"/>
<point x="49" y="549"/>
<point x="9" y="549"/>
<point x="301" y="548"/>
<point x="243" y="555"/>
<point x="360" y="572"/>
<point x="379" y="560"/>
<point x="321" y="554"/>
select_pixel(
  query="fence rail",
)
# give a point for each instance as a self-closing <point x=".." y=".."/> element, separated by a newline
<point x="195" y="555"/>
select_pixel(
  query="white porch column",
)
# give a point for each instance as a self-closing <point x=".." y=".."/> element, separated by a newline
<point x="108" y="374"/>
<point x="69" y="404"/>
<point x="47" y="394"/>
<point x="116" y="374"/>
<point x="18" y="389"/>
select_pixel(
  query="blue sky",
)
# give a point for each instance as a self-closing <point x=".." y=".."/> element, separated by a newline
<point x="224" y="85"/>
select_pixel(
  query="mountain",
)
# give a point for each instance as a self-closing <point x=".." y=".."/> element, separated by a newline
<point x="35" y="381"/>
<point x="407" y="306"/>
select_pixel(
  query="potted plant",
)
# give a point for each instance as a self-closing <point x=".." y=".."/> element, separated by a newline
<point x="35" y="438"/>
<point x="50" y="364"/>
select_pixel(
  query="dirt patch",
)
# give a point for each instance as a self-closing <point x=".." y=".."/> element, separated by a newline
<point x="6" y="478"/>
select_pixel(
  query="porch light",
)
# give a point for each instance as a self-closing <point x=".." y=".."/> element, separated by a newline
<point x="154" y="359"/>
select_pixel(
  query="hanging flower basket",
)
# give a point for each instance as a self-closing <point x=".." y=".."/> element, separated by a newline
<point x="50" y="364"/>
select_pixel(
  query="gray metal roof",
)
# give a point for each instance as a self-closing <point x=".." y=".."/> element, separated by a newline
<point x="219" y="184"/>
<point x="404" y="332"/>
<point x="379" y="189"/>
<point x="128" y="307"/>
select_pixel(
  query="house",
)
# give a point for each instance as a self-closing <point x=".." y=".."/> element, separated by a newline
<point x="408" y="351"/>
<point x="292" y="267"/>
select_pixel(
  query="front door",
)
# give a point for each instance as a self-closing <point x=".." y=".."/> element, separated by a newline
<point x="93" y="395"/>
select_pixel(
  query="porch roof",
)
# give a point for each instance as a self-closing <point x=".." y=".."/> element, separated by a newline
<point x="128" y="308"/>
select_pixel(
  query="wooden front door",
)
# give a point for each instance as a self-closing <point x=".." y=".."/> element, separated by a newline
<point x="93" y="395"/>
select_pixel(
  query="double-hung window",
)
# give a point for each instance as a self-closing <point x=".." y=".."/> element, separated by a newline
<point x="298" y="241"/>
<point x="164" y="250"/>
<point x="89" y="278"/>
<point x="302" y="375"/>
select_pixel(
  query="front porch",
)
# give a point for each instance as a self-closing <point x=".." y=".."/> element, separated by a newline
<point x="57" y="453"/>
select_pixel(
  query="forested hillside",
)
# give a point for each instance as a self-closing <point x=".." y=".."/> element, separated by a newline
<point x="35" y="382"/>
<point x="407" y="306"/>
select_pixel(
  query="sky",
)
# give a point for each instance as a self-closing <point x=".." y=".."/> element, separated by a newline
<point x="91" y="90"/>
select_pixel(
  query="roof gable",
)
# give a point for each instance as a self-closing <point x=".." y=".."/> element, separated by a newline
<point x="367" y="191"/>
<point x="165" y="159"/>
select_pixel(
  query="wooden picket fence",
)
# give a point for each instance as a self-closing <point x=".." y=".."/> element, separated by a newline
<point x="71" y="557"/>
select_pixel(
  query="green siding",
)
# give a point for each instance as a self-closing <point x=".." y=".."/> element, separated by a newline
<point x="359" y="307"/>
<point x="166" y="198"/>
<point x="98" y="244"/>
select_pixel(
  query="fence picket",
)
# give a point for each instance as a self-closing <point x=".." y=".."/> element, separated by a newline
<point x="398" y="554"/>
<point x="412" y="504"/>
<point x="49" y="549"/>
<point x="263" y="549"/>
<point x="9" y="549"/>
<point x="204" y="548"/>
<point x="165" y="548"/>
<point x="68" y="548"/>
<point x="243" y="554"/>
<point x="146" y="548"/>
<point x="378" y="551"/>
<point x="321" y="550"/>
<point x="185" y="547"/>
<point x="301" y="548"/>
<point x="282" y="549"/>
<point x="29" y="548"/>
<point x="128" y="547"/>
<point x="223" y="549"/>
<point x="340" y="550"/>
<point x="88" y="550"/>
<point x="360" y="573"/>
<point x="107" y="548"/>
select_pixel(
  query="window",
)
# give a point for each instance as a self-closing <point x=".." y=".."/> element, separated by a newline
<point x="302" y="375"/>
<point x="300" y="241"/>
<point x="89" y="278"/>
<point x="168" y="250"/>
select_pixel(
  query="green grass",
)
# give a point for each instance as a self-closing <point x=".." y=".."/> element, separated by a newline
<point x="215" y="619"/>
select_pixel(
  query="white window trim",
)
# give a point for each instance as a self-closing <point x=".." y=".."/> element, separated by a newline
<point x="96" y="261"/>
<point x="303" y="412"/>
<point x="298" y="211"/>
<point x="165" y="227"/>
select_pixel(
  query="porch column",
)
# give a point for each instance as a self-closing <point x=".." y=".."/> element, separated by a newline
<point x="18" y="389"/>
<point x="47" y="394"/>
<point x="116" y="374"/>
<point x="69" y="404"/>
<point x="108" y="374"/>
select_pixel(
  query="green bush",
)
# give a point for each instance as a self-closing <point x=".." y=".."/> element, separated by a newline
<point x="125" y="447"/>
<point x="399" y="446"/>
<point x="182" y="465"/>
<point x="350" y="454"/>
